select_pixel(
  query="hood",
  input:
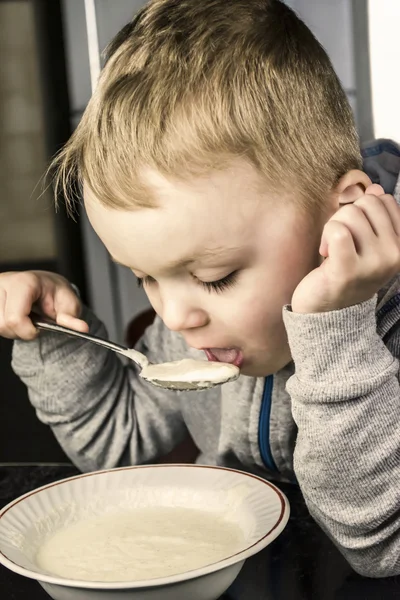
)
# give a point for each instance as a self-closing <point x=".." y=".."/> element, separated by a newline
<point x="381" y="162"/>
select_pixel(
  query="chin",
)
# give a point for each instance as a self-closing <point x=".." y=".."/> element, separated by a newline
<point x="257" y="368"/>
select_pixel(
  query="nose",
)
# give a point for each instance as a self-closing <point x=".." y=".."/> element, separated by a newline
<point x="179" y="315"/>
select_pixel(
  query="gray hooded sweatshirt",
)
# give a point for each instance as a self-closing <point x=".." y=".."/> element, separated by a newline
<point x="329" y="421"/>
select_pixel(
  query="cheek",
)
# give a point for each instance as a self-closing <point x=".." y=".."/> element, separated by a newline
<point x="294" y="265"/>
<point x="265" y="314"/>
<point x="259" y="302"/>
<point x="251" y="311"/>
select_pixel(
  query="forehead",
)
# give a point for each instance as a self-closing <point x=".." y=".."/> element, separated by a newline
<point x="236" y="175"/>
<point x="219" y="210"/>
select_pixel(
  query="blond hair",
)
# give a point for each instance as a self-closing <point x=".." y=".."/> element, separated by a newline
<point x="188" y="85"/>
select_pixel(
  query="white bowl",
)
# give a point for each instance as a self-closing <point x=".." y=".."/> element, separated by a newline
<point x="258" y="507"/>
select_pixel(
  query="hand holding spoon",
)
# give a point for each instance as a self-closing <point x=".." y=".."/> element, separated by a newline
<point x="186" y="374"/>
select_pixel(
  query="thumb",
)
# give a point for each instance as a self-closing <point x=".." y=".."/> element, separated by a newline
<point x="338" y="244"/>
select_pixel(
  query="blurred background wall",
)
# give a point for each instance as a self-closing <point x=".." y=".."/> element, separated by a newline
<point x="26" y="217"/>
<point x="34" y="124"/>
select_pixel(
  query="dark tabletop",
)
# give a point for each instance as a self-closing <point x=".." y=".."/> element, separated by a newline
<point x="301" y="564"/>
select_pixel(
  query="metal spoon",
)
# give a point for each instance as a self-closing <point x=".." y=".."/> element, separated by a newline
<point x="186" y="374"/>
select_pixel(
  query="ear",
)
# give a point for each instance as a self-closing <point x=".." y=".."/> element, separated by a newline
<point x="352" y="186"/>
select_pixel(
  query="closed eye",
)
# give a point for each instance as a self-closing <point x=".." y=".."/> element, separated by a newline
<point x="221" y="284"/>
<point x="218" y="286"/>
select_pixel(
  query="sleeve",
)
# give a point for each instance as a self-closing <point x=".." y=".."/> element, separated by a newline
<point x="346" y="403"/>
<point x="102" y="414"/>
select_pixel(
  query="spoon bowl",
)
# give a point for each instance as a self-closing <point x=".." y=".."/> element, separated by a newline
<point x="184" y="375"/>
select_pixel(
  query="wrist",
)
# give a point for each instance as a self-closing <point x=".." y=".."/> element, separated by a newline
<point x="338" y="304"/>
<point x="336" y="350"/>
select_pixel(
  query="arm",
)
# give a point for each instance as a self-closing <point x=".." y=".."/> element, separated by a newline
<point x="101" y="413"/>
<point x="346" y="402"/>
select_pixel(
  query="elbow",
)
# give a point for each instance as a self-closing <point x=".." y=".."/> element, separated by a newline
<point x="374" y="564"/>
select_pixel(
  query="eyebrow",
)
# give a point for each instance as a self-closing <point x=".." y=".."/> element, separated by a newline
<point x="208" y="253"/>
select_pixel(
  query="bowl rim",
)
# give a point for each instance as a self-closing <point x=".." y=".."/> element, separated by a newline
<point x="230" y="560"/>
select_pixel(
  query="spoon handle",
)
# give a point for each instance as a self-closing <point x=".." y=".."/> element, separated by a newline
<point x="48" y="325"/>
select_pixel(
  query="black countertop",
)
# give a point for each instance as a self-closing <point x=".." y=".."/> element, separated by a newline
<point x="301" y="564"/>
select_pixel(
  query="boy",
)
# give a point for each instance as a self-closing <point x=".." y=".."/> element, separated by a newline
<point x="220" y="162"/>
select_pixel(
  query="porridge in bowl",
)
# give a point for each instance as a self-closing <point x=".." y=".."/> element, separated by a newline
<point x="139" y="544"/>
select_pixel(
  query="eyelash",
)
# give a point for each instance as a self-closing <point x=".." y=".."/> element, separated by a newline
<point x="211" y="286"/>
<point x="222" y="284"/>
<point x="144" y="281"/>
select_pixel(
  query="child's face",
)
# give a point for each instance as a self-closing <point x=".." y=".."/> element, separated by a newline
<point x="221" y="228"/>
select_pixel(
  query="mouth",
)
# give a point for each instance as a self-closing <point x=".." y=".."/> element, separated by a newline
<point x="233" y="356"/>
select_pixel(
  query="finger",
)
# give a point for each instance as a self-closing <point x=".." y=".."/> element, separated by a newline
<point x="393" y="210"/>
<point x="374" y="189"/>
<point x="67" y="302"/>
<point x="381" y="215"/>
<point x="341" y="249"/>
<point x="68" y="309"/>
<point x="19" y="300"/>
<point x="45" y="305"/>
<point x="72" y="322"/>
<point x="357" y="223"/>
<point x="3" y="329"/>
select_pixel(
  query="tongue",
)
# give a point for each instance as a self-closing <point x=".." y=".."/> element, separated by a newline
<point x="227" y="355"/>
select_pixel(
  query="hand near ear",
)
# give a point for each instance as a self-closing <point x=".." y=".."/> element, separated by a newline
<point x="361" y="247"/>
